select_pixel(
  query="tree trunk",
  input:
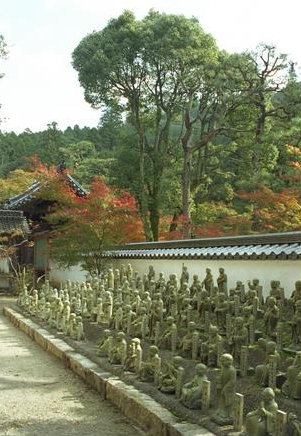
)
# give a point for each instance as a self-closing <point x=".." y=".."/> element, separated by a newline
<point x="187" y="153"/>
<point x="143" y="195"/>
<point x="186" y="191"/>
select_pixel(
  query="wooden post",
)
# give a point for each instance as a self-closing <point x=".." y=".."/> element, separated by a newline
<point x="174" y="338"/>
<point x="180" y="380"/>
<point x="188" y="314"/>
<point x="228" y="326"/>
<point x="255" y="306"/>
<point x="252" y="330"/>
<point x="244" y="351"/>
<point x="219" y="351"/>
<point x="207" y="321"/>
<point x="259" y="294"/>
<point x="144" y="326"/>
<point x="280" y="425"/>
<point x="128" y="323"/>
<point x="138" y="359"/>
<point x="272" y="371"/>
<point x="206" y="390"/>
<point x="238" y="412"/>
<point x="174" y="310"/>
<point x="157" y="332"/>
<point x="236" y="305"/>
<point x="157" y="370"/>
<point x="279" y="335"/>
<point x="195" y="344"/>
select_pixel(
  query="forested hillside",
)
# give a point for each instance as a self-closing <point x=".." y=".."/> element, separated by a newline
<point x="208" y="142"/>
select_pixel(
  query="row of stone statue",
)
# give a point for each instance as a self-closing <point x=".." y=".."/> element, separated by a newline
<point x="164" y="314"/>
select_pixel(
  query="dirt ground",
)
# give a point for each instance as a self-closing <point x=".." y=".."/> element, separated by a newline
<point x="39" y="396"/>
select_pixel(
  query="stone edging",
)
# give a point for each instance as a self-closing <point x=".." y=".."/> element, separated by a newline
<point x="140" y="408"/>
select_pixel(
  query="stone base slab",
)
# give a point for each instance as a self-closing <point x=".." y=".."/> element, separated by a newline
<point x="140" y="408"/>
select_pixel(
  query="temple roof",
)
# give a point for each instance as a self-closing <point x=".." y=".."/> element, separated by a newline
<point x="19" y="201"/>
<point x="12" y="221"/>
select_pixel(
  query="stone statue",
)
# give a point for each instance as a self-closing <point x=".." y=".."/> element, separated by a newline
<point x="240" y="291"/>
<point x="72" y="326"/>
<point x="192" y="391"/>
<point x="184" y="276"/>
<point x="296" y="324"/>
<point x="80" y="335"/>
<point x="292" y="386"/>
<point x="167" y="380"/>
<point x="271" y="317"/>
<point x="296" y="294"/>
<point x="294" y="424"/>
<point x="134" y="357"/>
<point x="196" y="286"/>
<point x="99" y="311"/>
<point x="226" y="388"/>
<point x="275" y="290"/>
<point x="117" y="354"/>
<point x="151" y="273"/>
<point x="222" y="281"/>
<point x="103" y="348"/>
<point x="187" y="340"/>
<point x="204" y="305"/>
<point x="221" y="310"/>
<point x="150" y="369"/>
<point x="165" y="339"/>
<point x="261" y="422"/>
<point x="139" y="325"/>
<point x="262" y="371"/>
<point x="46" y="312"/>
<point x="208" y="281"/>
<point x="118" y="316"/>
<point x="212" y="348"/>
<point x="65" y="317"/>
<point x="238" y="338"/>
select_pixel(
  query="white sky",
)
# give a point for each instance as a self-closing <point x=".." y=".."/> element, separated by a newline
<point x="40" y="85"/>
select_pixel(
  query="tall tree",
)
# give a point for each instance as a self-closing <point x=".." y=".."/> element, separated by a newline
<point x="147" y="68"/>
<point x="217" y="110"/>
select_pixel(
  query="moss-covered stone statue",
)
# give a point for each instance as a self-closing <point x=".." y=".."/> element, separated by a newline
<point x="226" y="388"/>
<point x="292" y="386"/>
<point x="191" y="395"/>
<point x="261" y="422"/>
<point x="167" y="380"/>
<point x="150" y="369"/>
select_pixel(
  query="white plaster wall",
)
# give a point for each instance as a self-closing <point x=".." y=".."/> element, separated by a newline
<point x="286" y="271"/>
<point x="4" y="267"/>
<point x="58" y="275"/>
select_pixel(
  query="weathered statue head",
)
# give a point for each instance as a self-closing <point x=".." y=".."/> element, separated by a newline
<point x="106" y="332"/>
<point x="169" y="320"/>
<point x="200" y="369"/>
<point x="153" y="350"/>
<point x="239" y="322"/>
<point x="271" y="347"/>
<point x="268" y="394"/>
<point x="213" y="330"/>
<point x="191" y="326"/>
<point x="120" y="336"/>
<point x="226" y="360"/>
<point x="177" y="361"/>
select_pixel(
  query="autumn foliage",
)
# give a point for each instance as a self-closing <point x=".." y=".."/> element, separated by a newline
<point x="86" y="226"/>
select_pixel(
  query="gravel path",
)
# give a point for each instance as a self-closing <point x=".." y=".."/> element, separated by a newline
<point x="38" y="396"/>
